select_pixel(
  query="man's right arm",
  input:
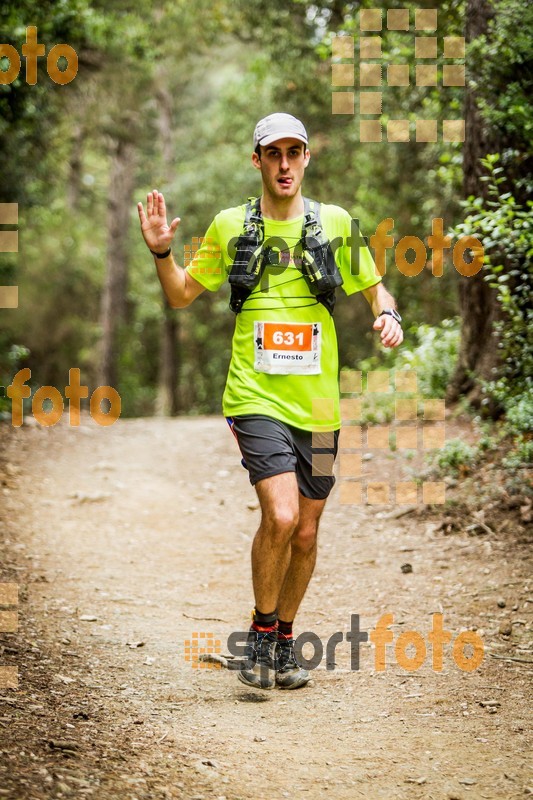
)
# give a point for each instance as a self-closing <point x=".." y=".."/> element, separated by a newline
<point x="179" y="286"/>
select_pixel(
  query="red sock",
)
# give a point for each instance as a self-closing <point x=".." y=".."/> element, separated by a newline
<point x="284" y="629"/>
<point x="265" y="623"/>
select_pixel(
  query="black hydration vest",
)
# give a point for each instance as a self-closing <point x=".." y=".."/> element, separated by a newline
<point x="313" y="249"/>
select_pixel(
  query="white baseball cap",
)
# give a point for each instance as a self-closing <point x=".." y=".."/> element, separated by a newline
<point x="279" y="126"/>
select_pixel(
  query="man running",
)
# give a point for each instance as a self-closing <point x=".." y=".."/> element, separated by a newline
<point x="283" y="256"/>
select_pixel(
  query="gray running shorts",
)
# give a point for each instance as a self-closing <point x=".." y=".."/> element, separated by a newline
<point x="270" y="447"/>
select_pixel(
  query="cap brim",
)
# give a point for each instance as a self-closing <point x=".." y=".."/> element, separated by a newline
<point x="283" y="135"/>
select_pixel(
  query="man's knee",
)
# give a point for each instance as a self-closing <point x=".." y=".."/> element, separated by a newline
<point x="304" y="537"/>
<point x="282" y="520"/>
<point x="280" y="507"/>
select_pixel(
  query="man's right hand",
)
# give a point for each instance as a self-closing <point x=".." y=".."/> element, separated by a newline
<point x="157" y="233"/>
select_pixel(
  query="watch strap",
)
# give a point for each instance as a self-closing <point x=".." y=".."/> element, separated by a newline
<point x="162" y="255"/>
<point x="391" y="312"/>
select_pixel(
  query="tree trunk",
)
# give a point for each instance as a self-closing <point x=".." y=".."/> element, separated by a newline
<point x="113" y="308"/>
<point x="478" y="355"/>
<point x="74" y="184"/>
<point x="167" y="403"/>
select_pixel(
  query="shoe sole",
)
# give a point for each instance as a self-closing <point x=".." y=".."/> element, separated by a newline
<point x="252" y="684"/>
<point x="298" y="683"/>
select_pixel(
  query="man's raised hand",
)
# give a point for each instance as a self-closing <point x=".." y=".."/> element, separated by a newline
<point x="156" y="232"/>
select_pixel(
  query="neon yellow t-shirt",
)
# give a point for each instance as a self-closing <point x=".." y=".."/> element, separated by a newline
<point x="301" y="328"/>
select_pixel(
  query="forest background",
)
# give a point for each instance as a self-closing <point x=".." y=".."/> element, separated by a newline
<point x="166" y="96"/>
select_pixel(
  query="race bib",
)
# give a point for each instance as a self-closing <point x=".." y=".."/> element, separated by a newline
<point x="286" y="348"/>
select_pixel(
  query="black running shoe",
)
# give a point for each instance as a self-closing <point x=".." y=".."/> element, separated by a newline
<point x="289" y="674"/>
<point x="259" y="667"/>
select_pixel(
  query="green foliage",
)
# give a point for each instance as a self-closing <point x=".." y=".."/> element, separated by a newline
<point x="454" y="457"/>
<point x="519" y="415"/>
<point x="502" y="61"/>
<point x="10" y="363"/>
<point x="59" y="277"/>
<point x="509" y="441"/>
<point x="377" y="409"/>
<point x="430" y="352"/>
<point x="433" y="357"/>
<point x="505" y="229"/>
<point x="29" y="113"/>
<point x="518" y="429"/>
<point x="487" y="443"/>
<point x="520" y="456"/>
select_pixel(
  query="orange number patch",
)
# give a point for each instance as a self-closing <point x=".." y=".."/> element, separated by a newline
<point x="279" y="336"/>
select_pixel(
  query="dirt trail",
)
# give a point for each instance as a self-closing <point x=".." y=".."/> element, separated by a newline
<point x="145" y="526"/>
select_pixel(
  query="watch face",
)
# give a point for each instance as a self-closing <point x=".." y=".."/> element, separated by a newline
<point x="392" y="313"/>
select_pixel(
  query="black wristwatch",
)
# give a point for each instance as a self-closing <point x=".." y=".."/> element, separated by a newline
<point x="162" y="255"/>
<point x="392" y="313"/>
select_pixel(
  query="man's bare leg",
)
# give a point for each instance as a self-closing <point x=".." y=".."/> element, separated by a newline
<point x="271" y="549"/>
<point x="278" y="497"/>
<point x="303" y="550"/>
<point x="283" y="560"/>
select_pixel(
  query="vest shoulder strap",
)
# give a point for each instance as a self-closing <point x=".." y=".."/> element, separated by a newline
<point x="312" y="210"/>
<point x="253" y="211"/>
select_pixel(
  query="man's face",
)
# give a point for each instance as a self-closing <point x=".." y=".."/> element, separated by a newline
<point x="282" y="166"/>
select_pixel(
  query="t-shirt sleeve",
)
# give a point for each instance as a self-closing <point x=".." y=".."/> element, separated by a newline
<point x="353" y="257"/>
<point x="207" y="265"/>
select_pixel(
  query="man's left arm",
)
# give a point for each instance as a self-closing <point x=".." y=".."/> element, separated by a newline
<point x="380" y="300"/>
